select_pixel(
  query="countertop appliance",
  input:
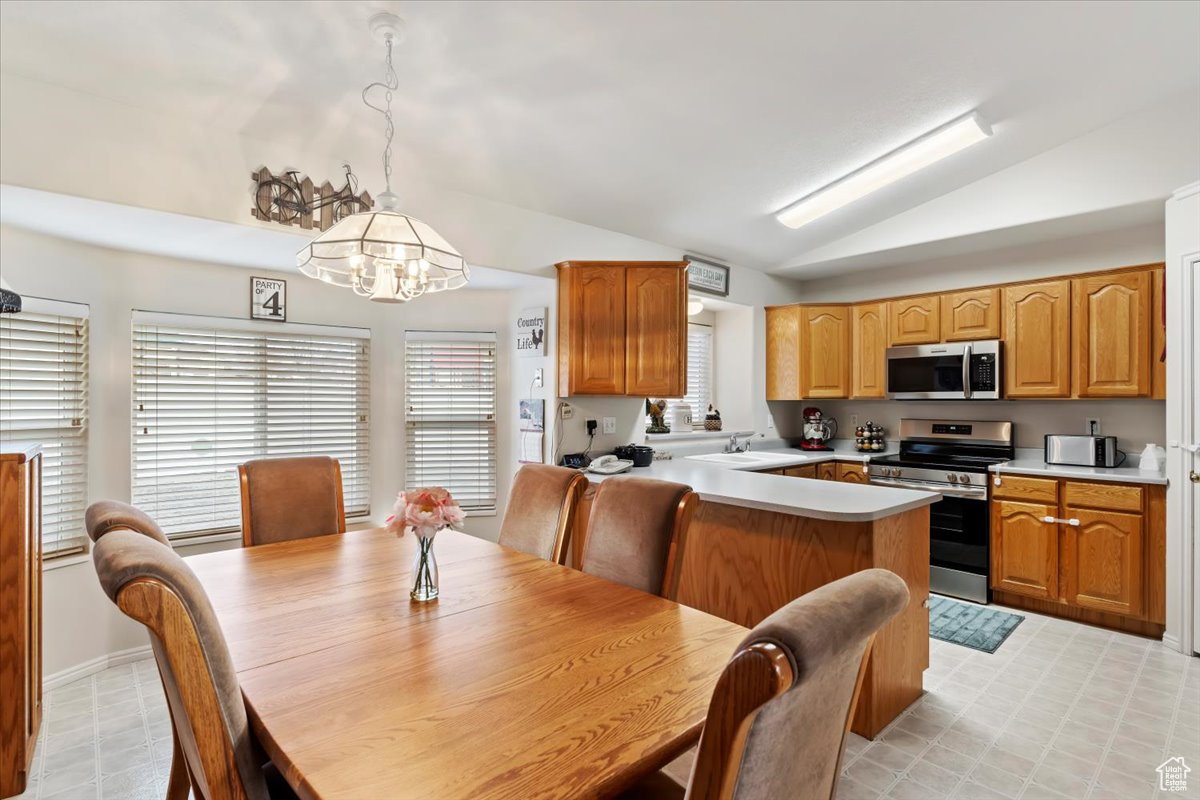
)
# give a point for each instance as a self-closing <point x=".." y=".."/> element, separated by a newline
<point x="639" y="454"/>
<point x="818" y="429"/>
<point x="1083" y="451"/>
<point x="950" y="371"/>
<point x="951" y="457"/>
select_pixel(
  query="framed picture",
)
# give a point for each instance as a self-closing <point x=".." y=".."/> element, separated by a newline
<point x="707" y="276"/>
<point x="268" y="299"/>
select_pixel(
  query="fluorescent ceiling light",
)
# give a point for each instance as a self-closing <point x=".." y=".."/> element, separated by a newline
<point x="917" y="154"/>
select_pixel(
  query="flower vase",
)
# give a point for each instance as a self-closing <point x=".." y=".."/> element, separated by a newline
<point x="425" y="570"/>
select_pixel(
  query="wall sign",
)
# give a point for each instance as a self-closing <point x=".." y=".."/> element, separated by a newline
<point x="268" y="299"/>
<point x="531" y="332"/>
<point x="707" y="276"/>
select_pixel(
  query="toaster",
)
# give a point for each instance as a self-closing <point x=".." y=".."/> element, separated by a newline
<point x="1083" y="451"/>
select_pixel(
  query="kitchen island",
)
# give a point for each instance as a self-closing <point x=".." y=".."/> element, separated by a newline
<point x="758" y="541"/>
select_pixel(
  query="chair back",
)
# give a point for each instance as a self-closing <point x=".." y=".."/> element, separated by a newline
<point x="635" y="532"/>
<point x="108" y="515"/>
<point x="782" y="708"/>
<point x="291" y="498"/>
<point x="151" y="584"/>
<point x="541" y="509"/>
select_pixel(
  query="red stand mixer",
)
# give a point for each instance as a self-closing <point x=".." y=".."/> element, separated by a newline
<point x="818" y="429"/>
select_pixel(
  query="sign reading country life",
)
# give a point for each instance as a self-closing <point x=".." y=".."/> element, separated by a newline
<point x="531" y="332"/>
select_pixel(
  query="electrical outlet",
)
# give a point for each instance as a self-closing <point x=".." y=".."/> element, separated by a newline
<point x="566" y="411"/>
<point x="608" y="425"/>
<point x="854" y="420"/>
<point x="1093" y="426"/>
<point x="537" y="377"/>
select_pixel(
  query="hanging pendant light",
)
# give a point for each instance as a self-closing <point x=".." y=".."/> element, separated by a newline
<point x="383" y="254"/>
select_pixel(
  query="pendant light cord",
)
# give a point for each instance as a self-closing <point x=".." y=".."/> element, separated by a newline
<point x="389" y="84"/>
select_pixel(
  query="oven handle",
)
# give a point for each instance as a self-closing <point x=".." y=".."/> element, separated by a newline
<point x="966" y="371"/>
<point x="979" y="493"/>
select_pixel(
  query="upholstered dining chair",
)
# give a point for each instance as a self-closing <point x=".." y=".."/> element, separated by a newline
<point x="636" y="530"/>
<point x="150" y="583"/>
<point x="107" y="515"/>
<point x="291" y="498"/>
<point x="781" y="710"/>
<point x="541" y="509"/>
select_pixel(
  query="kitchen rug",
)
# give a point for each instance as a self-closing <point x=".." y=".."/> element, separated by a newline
<point x="982" y="628"/>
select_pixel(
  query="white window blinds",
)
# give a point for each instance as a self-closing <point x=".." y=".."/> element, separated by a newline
<point x="209" y="394"/>
<point x="450" y="421"/>
<point x="699" y="375"/>
<point x="43" y="399"/>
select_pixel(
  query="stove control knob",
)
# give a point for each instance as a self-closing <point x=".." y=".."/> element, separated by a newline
<point x="952" y="478"/>
<point x="964" y="478"/>
<point x="894" y="472"/>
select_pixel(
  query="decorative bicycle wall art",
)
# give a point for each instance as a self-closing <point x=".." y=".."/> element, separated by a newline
<point x="290" y="199"/>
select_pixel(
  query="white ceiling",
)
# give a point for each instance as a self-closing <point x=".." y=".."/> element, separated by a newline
<point x="686" y="123"/>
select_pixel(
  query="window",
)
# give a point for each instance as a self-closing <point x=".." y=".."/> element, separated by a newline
<point x="43" y="399"/>
<point x="450" y="423"/>
<point x="699" y="375"/>
<point x="209" y="394"/>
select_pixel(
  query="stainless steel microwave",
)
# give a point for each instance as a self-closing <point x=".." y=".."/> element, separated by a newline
<point x="951" y="371"/>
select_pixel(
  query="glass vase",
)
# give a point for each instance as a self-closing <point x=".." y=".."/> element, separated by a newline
<point x="425" y="570"/>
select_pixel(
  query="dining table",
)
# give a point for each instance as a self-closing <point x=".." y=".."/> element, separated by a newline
<point x="522" y="679"/>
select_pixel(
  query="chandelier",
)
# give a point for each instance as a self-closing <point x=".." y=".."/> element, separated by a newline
<point x="383" y="254"/>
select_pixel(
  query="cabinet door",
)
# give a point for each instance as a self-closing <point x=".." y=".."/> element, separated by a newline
<point x="970" y="315"/>
<point x="824" y="351"/>
<point x="1024" y="549"/>
<point x="1111" y="317"/>
<point x="806" y="471"/>
<point x="592" y="333"/>
<point x="1102" y="560"/>
<point x="656" y="332"/>
<point x="914" y="320"/>
<point x="783" y="352"/>
<point x="851" y="473"/>
<point x="868" y="360"/>
<point x="1158" y="335"/>
<point x="1037" y="339"/>
<point x="827" y="470"/>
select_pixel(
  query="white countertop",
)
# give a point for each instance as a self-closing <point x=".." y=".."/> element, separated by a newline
<point x="1030" y="461"/>
<point x="803" y="497"/>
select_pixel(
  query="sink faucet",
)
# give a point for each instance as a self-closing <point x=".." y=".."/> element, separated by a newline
<point x="734" y="446"/>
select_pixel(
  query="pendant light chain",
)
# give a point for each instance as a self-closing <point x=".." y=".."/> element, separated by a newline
<point x="389" y="84"/>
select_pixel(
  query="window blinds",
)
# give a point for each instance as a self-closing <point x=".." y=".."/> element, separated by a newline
<point x="450" y="421"/>
<point x="699" y="375"/>
<point x="43" y="399"/>
<point x="209" y="394"/>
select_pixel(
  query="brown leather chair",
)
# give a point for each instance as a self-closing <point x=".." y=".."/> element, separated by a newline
<point x="107" y="515"/>
<point x="151" y="584"/>
<point x="541" y="509"/>
<point x="780" y="713"/>
<point x="291" y="498"/>
<point x="635" y="532"/>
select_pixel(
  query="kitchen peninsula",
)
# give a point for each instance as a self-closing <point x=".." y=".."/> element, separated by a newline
<point x="758" y="540"/>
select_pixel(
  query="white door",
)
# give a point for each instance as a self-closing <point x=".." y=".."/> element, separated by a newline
<point x="1193" y="437"/>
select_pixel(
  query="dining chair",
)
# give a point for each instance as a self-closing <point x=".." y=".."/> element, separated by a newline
<point x="636" y="530"/>
<point x="107" y="515"/>
<point x="291" y="498"/>
<point x="541" y="509"/>
<point x="150" y="583"/>
<point x="781" y="711"/>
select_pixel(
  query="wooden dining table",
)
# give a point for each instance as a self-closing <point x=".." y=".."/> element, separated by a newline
<point x="523" y="679"/>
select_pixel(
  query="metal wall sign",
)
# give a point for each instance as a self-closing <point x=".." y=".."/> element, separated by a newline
<point x="531" y="332"/>
<point x="707" y="276"/>
<point x="268" y="299"/>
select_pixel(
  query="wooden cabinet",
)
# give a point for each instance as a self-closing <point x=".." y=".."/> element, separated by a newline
<point x="868" y="348"/>
<point x="851" y="473"/>
<point x="827" y="470"/>
<point x="806" y="471"/>
<point x="1102" y="560"/>
<point x="1158" y="334"/>
<point x="971" y="315"/>
<point x="656" y="332"/>
<point x="622" y="328"/>
<point x="1024" y="548"/>
<point x="1037" y="343"/>
<point x="20" y="615"/>
<point x="914" y="320"/>
<point x="824" y="351"/>
<point x="783" y="352"/>
<point x="1111" y="318"/>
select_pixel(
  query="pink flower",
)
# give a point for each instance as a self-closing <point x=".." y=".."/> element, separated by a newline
<point x="425" y="510"/>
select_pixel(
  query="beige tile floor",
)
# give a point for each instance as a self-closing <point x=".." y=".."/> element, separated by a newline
<point x="1060" y="710"/>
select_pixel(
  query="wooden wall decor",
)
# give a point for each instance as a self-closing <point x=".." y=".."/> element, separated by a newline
<point x="293" y="200"/>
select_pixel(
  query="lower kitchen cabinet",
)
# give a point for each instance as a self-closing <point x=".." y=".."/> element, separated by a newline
<point x="827" y="470"/>
<point x="1102" y="560"/>
<point x="851" y="473"/>
<point x="1024" y="549"/>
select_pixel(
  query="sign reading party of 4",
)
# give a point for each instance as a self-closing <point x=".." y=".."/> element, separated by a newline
<point x="268" y="299"/>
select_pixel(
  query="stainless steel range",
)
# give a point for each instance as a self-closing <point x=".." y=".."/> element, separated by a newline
<point x="951" y="457"/>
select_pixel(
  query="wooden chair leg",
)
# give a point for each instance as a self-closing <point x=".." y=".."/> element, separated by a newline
<point x="179" y="783"/>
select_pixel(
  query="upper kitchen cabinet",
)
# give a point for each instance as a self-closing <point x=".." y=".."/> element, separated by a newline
<point x="783" y="352"/>
<point x="656" y="331"/>
<point x="1158" y="335"/>
<point x="1037" y="339"/>
<point x="914" y="320"/>
<point x="622" y="328"/>
<point x="971" y="315"/>
<point x="824" y="351"/>
<point x="869" y="346"/>
<point x="1111" y="317"/>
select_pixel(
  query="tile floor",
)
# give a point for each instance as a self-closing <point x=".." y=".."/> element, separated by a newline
<point x="1059" y="711"/>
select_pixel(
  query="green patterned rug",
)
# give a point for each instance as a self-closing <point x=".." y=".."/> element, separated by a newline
<point x="982" y="628"/>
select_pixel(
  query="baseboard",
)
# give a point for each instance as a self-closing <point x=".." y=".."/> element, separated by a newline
<point x="1172" y="643"/>
<point x="92" y="666"/>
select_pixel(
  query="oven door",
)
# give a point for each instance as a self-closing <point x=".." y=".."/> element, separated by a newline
<point x="959" y="547"/>
<point x="928" y="372"/>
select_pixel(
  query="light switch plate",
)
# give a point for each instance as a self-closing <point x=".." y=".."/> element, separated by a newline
<point x="537" y="377"/>
<point x="608" y="425"/>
